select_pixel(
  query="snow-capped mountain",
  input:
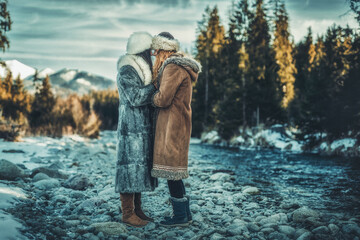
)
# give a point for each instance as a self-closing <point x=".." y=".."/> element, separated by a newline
<point x="63" y="82"/>
<point x="17" y="68"/>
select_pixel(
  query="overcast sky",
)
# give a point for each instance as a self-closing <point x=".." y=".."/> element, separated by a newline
<point x="90" y="35"/>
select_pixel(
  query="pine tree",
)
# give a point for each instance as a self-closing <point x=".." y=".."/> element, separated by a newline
<point x="283" y="54"/>
<point x="263" y="93"/>
<point x="20" y="101"/>
<point x="206" y="93"/>
<point x="5" y="25"/>
<point x="5" y="97"/>
<point x="355" y="7"/>
<point x="228" y="109"/>
<point x="43" y="104"/>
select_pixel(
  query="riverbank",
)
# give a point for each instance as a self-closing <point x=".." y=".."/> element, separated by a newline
<point x="282" y="138"/>
<point x="64" y="189"/>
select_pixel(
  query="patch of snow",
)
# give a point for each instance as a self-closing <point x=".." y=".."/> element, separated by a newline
<point x="346" y="142"/>
<point x="323" y="146"/>
<point x="8" y="195"/>
<point x="195" y="140"/>
<point x="17" y="68"/>
<point x="69" y="75"/>
<point x="211" y="137"/>
<point x="83" y="81"/>
<point x="9" y="227"/>
<point x="47" y="71"/>
<point x="240" y="139"/>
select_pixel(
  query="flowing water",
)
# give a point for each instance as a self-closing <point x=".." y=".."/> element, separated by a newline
<point x="331" y="184"/>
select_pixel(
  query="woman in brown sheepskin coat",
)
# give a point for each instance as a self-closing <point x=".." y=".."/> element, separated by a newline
<point x="175" y="75"/>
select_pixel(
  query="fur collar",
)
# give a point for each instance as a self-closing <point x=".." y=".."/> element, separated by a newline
<point x="182" y="60"/>
<point x="141" y="67"/>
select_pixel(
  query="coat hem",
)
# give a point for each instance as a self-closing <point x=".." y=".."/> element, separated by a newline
<point x="169" y="175"/>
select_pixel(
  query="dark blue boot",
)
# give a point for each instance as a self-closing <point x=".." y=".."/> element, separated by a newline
<point x="180" y="217"/>
<point x="187" y="210"/>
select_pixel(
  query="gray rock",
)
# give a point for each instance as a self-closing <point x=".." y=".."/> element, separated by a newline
<point x="88" y="206"/>
<point x="13" y="151"/>
<point x="77" y="194"/>
<point x="40" y="176"/>
<point x="287" y="230"/>
<point x="237" y="227"/>
<point x="216" y="236"/>
<point x="300" y="215"/>
<point x="90" y="236"/>
<point x="53" y="173"/>
<point x="77" y="182"/>
<point x="276" y="218"/>
<point x="351" y="228"/>
<point x="305" y="236"/>
<point x="251" y="190"/>
<point x="189" y="234"/>
<point x="277" y="236"/>
<point x="194" y="208"/>
<point x="47" y="184"/>
<point x="253" y="227"/>
<point x="56" y="165"/>
<point x="267" y="230"/>
<point x="299" y="232"/>
<point x="251" y="205"/>
<point x="9" y="171"/>
<point x="333" y="228"/>
<point x="150" y="226"/>
<point x="132" y="237"/>
<point x="321" y="230"/>
<point x="222" y="177"/>
<point x="110" y="228"/>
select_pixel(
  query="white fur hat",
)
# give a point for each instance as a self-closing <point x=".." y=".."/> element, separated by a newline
<point x="138" y="42"/>
<point x="165" y="41"/>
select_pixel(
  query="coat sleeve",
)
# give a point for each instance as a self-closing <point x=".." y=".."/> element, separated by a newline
<point x="137" y="95"/>
<point x="170" y="81"/>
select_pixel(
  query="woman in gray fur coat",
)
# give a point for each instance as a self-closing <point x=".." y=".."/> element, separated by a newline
<point x="135" y="131"/>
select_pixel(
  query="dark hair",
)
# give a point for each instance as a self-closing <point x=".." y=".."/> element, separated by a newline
<point x="146" y="55"/>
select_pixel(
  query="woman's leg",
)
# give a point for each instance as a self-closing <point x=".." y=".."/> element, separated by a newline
<point x="176" y="188"/>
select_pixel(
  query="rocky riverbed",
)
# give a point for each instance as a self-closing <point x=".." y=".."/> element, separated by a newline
<point x="64" y="189"/>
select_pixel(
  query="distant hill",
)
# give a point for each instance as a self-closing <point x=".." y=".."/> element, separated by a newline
<point x="64" y="82"/>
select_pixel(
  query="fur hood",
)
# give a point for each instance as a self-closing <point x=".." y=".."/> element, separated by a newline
<point x="160" y="42"/>
<point x="187" y="62"/>
<point x="140" y="65"/>
<point x="138" y="42"/>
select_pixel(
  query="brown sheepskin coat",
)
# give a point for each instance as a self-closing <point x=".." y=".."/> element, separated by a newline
<point x="173" y="125"/>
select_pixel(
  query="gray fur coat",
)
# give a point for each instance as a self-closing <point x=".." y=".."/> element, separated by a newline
<point x="135" y="132"/>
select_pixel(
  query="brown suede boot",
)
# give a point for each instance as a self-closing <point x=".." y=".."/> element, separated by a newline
<point x="139" y="212"/>
<point x="128" y="214"/>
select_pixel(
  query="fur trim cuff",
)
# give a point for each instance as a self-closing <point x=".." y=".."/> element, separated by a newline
<point x="138" y="42"/>
<point x="159" y="42"/>
<point x="169" y="175"/>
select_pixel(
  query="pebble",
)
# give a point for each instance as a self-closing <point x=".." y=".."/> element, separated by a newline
<point x="287" y="230"/>
<point x="9" y="171"/>
<point x="251" y="190"/>
<point x="321" y="230"/>
<point x="305" y="236"/>
<point x="110" y="228"/>
<point x="333" y="228"/>
<point x="40" y="176"/>
<point x="47" y="184"/>
<point x="77" y="182"/>
<point x="300" y="215"/>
